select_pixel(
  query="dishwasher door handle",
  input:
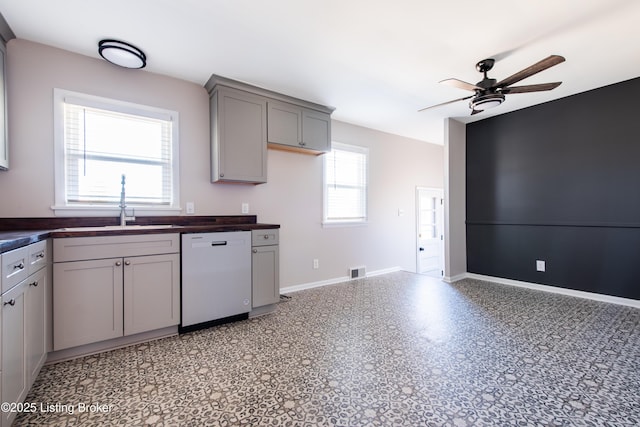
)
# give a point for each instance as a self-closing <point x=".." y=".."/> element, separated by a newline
<point x="220" y="243"/>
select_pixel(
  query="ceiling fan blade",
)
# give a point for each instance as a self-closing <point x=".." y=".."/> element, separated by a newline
<point x="445" y="103"/>
<point x="460" y="84"/>
<point x="531" y="70"/>
<point x="531" y="88"/>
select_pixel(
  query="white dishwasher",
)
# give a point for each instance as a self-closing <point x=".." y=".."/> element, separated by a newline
<point x="216" y="276"/>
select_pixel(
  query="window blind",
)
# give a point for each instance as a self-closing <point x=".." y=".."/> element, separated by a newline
<point x="346" y="184"/>
<point x="101" y="145"/>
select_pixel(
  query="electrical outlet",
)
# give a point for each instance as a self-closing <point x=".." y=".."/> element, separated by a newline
<point x="191" y="208"/>
<point x="245" y="208"/>
<point x="540" y="265"/>
<point x="316" y="264"/>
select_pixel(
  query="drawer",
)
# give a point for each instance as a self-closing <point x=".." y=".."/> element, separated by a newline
<point x="38" y="256"/>
<point x="264" y="237"/>
<point x="87" y="248"/>
<point x="15" y="267"/>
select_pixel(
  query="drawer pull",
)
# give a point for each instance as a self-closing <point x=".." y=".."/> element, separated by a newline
<point x="266" y="237"/>
<point x="34" y="284"/>
<point x="18" y="266"/>
<point x="11" y="302"/>
<point x="40" y="255"/>
<point x="220" y="243"/>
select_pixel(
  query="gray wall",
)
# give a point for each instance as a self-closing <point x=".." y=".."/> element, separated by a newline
<point x="559" y="182"/>
<point x="292" y="197"/>
<point x="454" y="187"/>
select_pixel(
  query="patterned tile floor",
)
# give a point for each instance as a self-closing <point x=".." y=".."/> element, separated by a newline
<point x="393" y="350"/>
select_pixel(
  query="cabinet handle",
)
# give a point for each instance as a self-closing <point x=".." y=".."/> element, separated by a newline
<point x="18" y="266"/>
<point x="118" y="263"/>
<point x="221" y="175"/>
<point x="303" y="143"/>
<point x="11" y="302"/>
<point x="266" y="237"/>
<point x="34" y="284"/>
<point x="127" y="262"/>
<point x="40" y="255"/>
<point x="255" y="251"/>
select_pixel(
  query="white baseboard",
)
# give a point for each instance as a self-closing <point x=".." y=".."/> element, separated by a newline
<point x="311" y="285"/>
<point x="556" y="290"/>
<point x="451" y="279"/>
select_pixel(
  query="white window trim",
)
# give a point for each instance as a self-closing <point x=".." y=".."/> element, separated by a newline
<point x="60" y="207"/>
<point x="344" y="223"/>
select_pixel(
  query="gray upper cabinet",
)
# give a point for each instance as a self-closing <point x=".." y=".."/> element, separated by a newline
<point x="238" y="136"/>
<point x="298" y="129"/>
<point x="4" y="142"/>
<point x="316" y="131"/>
<point x="247" y="119"/>
<point x="284" y="124"/>
<point x="6" y="34"/>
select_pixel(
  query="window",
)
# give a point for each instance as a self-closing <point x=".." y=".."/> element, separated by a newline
<point x="345" y="184"/>
<point x="98" y="140"/>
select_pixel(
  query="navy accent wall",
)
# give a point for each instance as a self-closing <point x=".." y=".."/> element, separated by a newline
<point x="559" y="182"/>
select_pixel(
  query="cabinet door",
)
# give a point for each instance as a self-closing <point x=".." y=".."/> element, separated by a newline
<point x="284" y="124"/>
<point x="14" y="370"/>
<point x="239" y="136"/>
<point x="316" y="130"/>
<point x="36" y="324"/>
<point x="87" y="302"/>
<point x="151" y="292"/>
<point x="265" y="281"/>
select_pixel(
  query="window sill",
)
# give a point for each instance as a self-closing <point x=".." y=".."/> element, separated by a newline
<point x="334" y="224"/>
<point x="72" y="211"/>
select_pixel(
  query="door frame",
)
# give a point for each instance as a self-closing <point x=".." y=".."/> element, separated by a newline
<point x="440" y="224"/>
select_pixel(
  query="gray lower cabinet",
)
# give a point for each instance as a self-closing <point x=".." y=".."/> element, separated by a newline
<point x="300" y="129"/>
<point x="14" y="366"/>
<point x="151" y="292"/>
<point x="238" y="136"/>
<point x="37" y="311"/>
<point x="23" y="323"/>
<point x="107" y="297"/>
<point x="265" y="268"/>
<point x="87" y="302"/>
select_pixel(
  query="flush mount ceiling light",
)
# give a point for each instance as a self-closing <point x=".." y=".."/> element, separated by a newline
<point x="122" y="54"/>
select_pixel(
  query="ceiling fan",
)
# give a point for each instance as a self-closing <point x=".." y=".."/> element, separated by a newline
<point x="490" y="93"/>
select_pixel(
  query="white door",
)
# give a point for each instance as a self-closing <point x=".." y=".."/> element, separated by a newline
<point x="430" y="239"/>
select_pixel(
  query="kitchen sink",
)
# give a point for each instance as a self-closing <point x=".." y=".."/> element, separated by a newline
<point x="117" y="227"/>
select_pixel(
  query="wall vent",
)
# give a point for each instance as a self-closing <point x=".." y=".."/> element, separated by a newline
<point x="357" y="272"/>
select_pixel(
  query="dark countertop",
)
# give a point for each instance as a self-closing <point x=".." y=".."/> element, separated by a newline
<point x="16" y="238"/>
<point x="10" y="240"/>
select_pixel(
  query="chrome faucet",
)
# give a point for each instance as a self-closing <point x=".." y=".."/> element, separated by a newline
<point x="123" y="207"/>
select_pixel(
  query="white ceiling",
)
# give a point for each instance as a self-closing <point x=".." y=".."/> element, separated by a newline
<point x="376" y="61"/>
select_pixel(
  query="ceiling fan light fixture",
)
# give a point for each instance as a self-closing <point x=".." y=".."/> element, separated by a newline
<point x="486" y="101"/>
<point x="122" y="54"/>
